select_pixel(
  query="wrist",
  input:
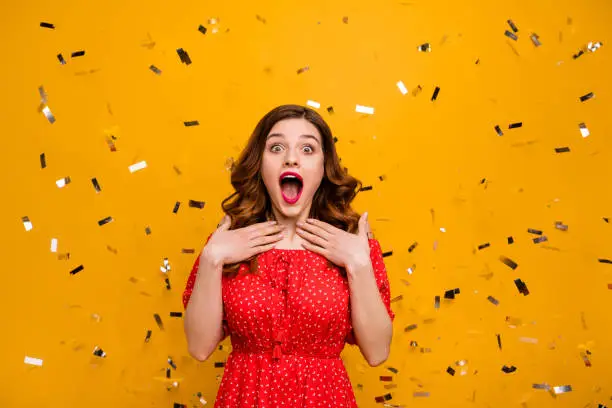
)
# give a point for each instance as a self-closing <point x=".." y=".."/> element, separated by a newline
<point x="210" y="259"/>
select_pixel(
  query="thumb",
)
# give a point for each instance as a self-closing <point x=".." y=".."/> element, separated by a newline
<point x="225" y="223"/>
<point x="363" y="225"/>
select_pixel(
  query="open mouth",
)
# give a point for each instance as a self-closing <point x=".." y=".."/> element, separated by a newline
<point x="291" y="187"/>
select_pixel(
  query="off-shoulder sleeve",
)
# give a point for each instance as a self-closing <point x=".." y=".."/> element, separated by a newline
<point x="189" y="289"/>
<point x="382" y="281"/>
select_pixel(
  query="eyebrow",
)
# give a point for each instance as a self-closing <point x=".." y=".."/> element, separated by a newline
<point x="301" y="136"/>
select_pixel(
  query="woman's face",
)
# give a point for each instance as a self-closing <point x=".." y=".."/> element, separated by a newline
<point x="293" y="145"/>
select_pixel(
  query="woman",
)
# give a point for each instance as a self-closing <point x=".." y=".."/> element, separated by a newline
<point x="291" y="274"/>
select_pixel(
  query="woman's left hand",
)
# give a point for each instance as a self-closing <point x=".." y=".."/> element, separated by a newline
<point x="340" y="247"/>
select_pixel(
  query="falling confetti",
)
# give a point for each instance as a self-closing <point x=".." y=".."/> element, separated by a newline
<point x="425" y="48"/>
<point x="511" y="35"/>
<point x="33" y="361"/>
<point x="584" y="131"/>
<point x="364" y="109"/>
<point x="509" y="262"/>
<point x="138" y="166"/>
<point x="313" y="104"/>
<point x="435" y="93"/>
<point x="402" y="87"/>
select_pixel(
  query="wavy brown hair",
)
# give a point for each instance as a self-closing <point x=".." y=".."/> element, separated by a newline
<point x="250" y="203"/>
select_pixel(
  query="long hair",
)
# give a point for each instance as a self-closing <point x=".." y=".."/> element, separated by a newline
<point x="250" y="203"/>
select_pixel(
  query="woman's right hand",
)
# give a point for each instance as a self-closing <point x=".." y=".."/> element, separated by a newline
<point x="230" y="246"/>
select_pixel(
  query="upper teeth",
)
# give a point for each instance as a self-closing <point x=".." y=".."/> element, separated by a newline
<point x="289" y="176"/>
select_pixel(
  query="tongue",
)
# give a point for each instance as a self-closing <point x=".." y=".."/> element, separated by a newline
<point x="290" y="188"/>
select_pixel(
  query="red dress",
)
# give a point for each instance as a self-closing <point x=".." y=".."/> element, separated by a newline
<point x="288" y="326"/>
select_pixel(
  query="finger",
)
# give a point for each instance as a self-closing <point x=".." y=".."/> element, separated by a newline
<point x="264" y="248"/>
<point x="316" y="230"/>
<point x="314" y="248"/>
<point x="266" y="239"/>
<point x="312" y="238"/>
<point x="265" y="230"/>
<point x="260" y="225"/>
<point x="321" y="224"/>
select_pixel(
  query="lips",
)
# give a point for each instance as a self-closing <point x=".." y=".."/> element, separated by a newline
<point x="291" y="186"/>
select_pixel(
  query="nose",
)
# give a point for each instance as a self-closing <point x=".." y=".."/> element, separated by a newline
<point x="291" y="162"/>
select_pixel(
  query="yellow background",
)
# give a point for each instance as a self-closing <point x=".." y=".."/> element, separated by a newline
<point x="433" y="156"/>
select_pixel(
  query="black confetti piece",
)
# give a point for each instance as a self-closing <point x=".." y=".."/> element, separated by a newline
<point x="499" y="343"/>
<point x="509" y="262"/>
<point x="493" y="300"/>
<point x="386" y="254"/>
<point x="450" y="370"/>
<point x="498" y="130"/>
<point x="77" y="270"/>
<point x="148" y="230"/>
<point x="184" y="56"/>
<point x="196" y="204"/>
<point x="365" y="188"/>
<point x="219" y="364"/>
<point x="424" y="47"/>
<point x="383" y="398"/>
<point x="202" y="29"/>
<point x="330" y="110"/>
<point x="540" y="239"/>
<point x="515" y="125"/>
<point x="167" y="280"/>
<point x="99" y="352"/>
<point x="168" y="373"/>
<point x="586" y="97"/>
<point x="413" y="246"/>
<point x="385" y="378"/>
<point x="606" y="219"/>
<point x="176" y="207"/>
<point x="578" y="54"/>
<point x="560" y="226"/>
<point x="61" y="59"/>
<point x="171" y="363"/>
<point x="521" y="286"/>
<point x="94" y="181"/>
<point x="47" y="25"/>
<point x="155" y="69"/>
<point x="43" y="161"/>
<point x="192" y="123"/>
<point x="77" y="54"/>
<point x="177" y="405"/>
<point x="511" y="35"/>
<point x="604" y="260"/>
<point x="510" y="240"/>
<point x="535" y="39"/>
<point x="176" y="314"/>
<point x="449" y="294"/>
<point x="410" y="327"/>
<point x="105" y="221"/>
<point x="148" y="337"/>
<point x="393" y="370"/>
<point x="534" y="231"/>
<point x="562" y="149"/>
<point x="512" y="26"/>
<point x="437" y="302"/>
<point x="435" y="94"/>
<point x="159" y="322"/>
<point x="508" y="370"/>
<point x="335" y="139"/>
<point x="483" y="246"/>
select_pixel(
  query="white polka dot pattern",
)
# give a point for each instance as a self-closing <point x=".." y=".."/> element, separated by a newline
<point x="288" y="324"/>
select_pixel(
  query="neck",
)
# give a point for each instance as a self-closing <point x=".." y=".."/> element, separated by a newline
<point x="290" y="222"/>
